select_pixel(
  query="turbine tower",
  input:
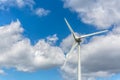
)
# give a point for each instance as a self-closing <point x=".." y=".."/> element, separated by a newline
<point x="78" y="40"/>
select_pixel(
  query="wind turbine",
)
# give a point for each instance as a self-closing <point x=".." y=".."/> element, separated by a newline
<point x="78" y="40"/>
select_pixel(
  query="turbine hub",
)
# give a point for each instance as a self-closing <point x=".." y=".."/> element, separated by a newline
<point x="78" y="40"/>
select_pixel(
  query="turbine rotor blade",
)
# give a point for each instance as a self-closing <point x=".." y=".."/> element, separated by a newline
<point x="70" y="28"/>
<point x="95" y="33"/>
<point x="69" y="53"/>
<point x="72" y="48"/>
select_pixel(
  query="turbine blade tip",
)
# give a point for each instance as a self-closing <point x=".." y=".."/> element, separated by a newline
<point x="65" y="19"/>
<point x="106" y="30"/>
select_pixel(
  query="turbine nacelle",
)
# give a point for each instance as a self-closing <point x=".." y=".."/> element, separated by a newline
<point x="77" y="39"/>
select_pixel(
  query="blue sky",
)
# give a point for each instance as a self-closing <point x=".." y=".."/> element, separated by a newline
<point x="35" y="39"/>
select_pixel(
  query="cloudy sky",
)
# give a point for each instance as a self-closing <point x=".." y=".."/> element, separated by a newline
<point x="34" y="39"/>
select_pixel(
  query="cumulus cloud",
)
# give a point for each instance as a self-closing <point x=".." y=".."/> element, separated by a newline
<point x="100" y="13"/>
<point x="7" y="4"/>
<point x="52" y="39"/>
<point x="17" y="52"/>
<point x="2" y="72"/>
<point x="41" y="12"/>
<point x="67" y="43"/>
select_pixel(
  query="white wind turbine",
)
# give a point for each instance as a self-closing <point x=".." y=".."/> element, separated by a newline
<point x="77" y="40"/>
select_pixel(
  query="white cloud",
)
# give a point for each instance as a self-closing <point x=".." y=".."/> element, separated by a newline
<point x="41" y="12"/>
<point x="52" y="39"/>
<point x="7" y="4"/>
<point x="67" y="43"/>
<point x="103" y="50"/>
<point x="116" y="30"/>
<point x="17" y="52"/>
<point x="101" y="13"/>
<point x="2" y="72"/>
